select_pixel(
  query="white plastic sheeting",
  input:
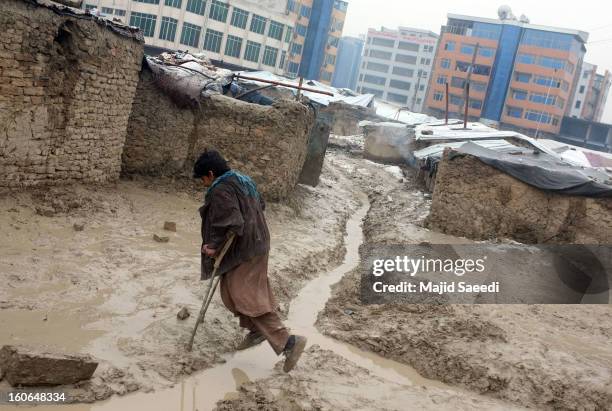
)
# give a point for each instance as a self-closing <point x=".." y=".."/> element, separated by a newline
<point x="362" y="100"/>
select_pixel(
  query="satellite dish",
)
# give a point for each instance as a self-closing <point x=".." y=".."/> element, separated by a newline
<point x="504" y="12"/>
<point x="524" y="19"/>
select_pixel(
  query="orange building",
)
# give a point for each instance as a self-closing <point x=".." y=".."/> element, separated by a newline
<point x="521" y="76"/>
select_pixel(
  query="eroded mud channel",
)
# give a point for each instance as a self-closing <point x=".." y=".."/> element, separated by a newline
<point x="359" y="357"/>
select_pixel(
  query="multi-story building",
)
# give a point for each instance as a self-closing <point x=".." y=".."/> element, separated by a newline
<point x="591" y="94"/>
<point x="348" y="62"/>
<point x="522" y="76"/>
<point x="396" y="65"/>
<point x="318" y="28"/>
<point x="246" y="34"/>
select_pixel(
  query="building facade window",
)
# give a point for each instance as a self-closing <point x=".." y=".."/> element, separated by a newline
<point x="445" y="63"/>
<point x="403" y="71"/>
<point x="515" y="112"/>
<point x="330" y="59"/>
<point x="486" y="51"/>
<point x="291" y="6"/>
<point x="381" y="68"/>
<point x="107" y="10"/>
<point x="190" y="36"/>
<point x="383" y="42"/>
<point x="282" y="59"/>
<point x="167" y="30"/>
<point x="549" y="40"/>
<point x="367" y="90"/>
<point x="196" y="6"/>
<point x="296" y="49"/>
<point x="305" y="11"/>
<point x="519" y="94"/>
<point x="449" y="45"/>
<point x="438" y="96"/>
<point x="441" y="79"/>
<point x="119" y="12"/>
<point x="233" y="46"/>
<point x="397" y="98"/>
<point x="275" y="30"/>
<point x="400" y="85"/>
<point x="239" y="18"/>
<point x="258" y="24"/>
<point x="405" y="45"/>
<point x="333" y="41"/>
<point x="212" y="40"/>
<point x="146" y="22"/>
<point x="218" y="11"/>
<point x="478" y="86"/>
<point x="522" y="77"/>
<point x="252" y="50"/>
<point x="293" y="67"/>
<point x="288" y="35"/>
<point x="270" y="56"/>
<point x="174" y="3"/>
<point x="578" y="103"/>
<point x="467" y="49"/>
<point x="147" y="1"/>
<point x="301" y="30"/>
<point x="456" y="100"/>
<point x="369" y="78"/>
<point x="379" y="54"/>
<point x="476" y="104"/>
<point x="581" y="90"/>
<point x="542" y="99"/>
<point x="526" y="58"/>
<point x="538" y="116"/>
<point x="405" y="58"/>
<point x="458" y="82"/>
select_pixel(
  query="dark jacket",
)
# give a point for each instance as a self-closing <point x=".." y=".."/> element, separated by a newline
<point x="228" y="209"/>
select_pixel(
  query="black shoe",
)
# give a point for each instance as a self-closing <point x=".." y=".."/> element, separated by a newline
<point x="251" y="340"/>
<point x="293" y="352"/>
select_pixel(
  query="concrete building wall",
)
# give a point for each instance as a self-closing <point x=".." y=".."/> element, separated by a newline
<point x="66" y="89"/>
<point x="523" y="76"/>
<point x="214" y="19"/>
<point x="350" y="51"/>
<point x="269" y="143"/>
<point x="396" y="65"/>
<point x="584" y="90"/>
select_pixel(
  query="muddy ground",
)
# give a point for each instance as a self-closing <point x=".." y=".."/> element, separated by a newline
<point x="542" y="356"/>
<point x="110" y="290"/>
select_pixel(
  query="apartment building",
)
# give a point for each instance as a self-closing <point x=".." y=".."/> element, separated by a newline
<point x="318" y="28"/>
<point x="248" y="34"/>
<point x="591" y="94"/>
<point x="348" y="62"/>
<point x="397" y="64"/>
<point x="522" y="76"/>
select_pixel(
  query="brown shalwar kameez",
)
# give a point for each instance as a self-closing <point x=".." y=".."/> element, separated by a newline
<point x="245" y="289"/>
<point x="246" y="292"/>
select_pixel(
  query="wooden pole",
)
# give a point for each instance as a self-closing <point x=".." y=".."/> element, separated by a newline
<point x="467" y="105"/>
<point x="446" y="111"/>
<point x="299" y="90"/>
<point x="278" y="83"/>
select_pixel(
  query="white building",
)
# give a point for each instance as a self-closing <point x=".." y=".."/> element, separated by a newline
<point x="396" y="65"/>
<point x="591" y="93"/>
<point x="247" y="33"/>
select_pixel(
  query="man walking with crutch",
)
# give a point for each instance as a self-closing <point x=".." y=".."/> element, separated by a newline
<point x="234" y="206"/>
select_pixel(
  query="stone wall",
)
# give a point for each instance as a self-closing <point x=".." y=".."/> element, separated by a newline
<point x="267" y="142"/>
<point x="475" y="200"/>
<point x="66" y="90"/>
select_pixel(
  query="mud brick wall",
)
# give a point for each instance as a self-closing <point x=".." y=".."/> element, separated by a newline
<point x="66" y="91"/>
<point x="345" y="118"/>
<point x="269" y="143"/>
<point x="475" y="200"/>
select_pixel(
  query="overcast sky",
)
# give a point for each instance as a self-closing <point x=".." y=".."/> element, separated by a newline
<point x="592" y="16"/>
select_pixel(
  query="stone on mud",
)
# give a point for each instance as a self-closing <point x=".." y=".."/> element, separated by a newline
<point x="183" y="314"/>
<point x="170" y="226"/>
<point x="30" y="367"/>
<point x="161" y="239"/>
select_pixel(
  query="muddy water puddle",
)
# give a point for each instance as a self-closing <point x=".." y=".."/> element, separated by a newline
<point x="204" y="389"/>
